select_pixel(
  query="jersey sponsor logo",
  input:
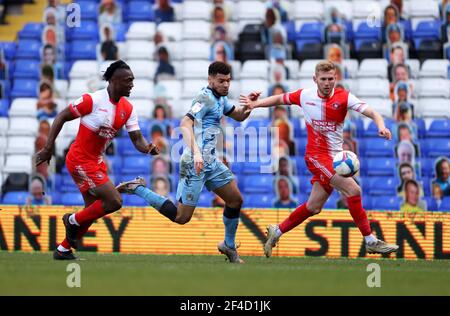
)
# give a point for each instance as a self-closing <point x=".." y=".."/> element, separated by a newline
<point x="107" y="132"/>
<point x="197" y="107"/>
<point x="324" y="126"/>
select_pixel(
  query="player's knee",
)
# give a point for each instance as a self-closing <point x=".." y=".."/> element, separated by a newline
<point x="314" y="208"/>
<point x="237" y="202"/>
<point x="353" y="190"/>
<point x="182" y="220"/>
<point x="114" y="204"/>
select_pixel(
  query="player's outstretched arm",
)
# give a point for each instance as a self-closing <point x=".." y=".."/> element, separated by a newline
<point x="250" y="104"/>
<point x="383" y="131"/>
<point x="141" y="144"/>
<point x="187" y="129"/>
<point x="241" y="113"/>
<point x="45" y="154"/>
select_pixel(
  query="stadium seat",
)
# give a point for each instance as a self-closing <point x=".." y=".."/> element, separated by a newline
<point x="439" y="128"/>
<point x="378" y="147"/>
<point x="23" y="107"/>
<point x="18" y="163"/>
<point x="4" y="110"/>
<point x="259" y="200"/>
<point x="373" y="68"/>
<point x="141" y="31"/>
<point x="343" y="6"/>
<point x="433" y="107"/>
<point x="25" y="88"/>
<point x="134" y="200"/>
<point x="250" y="10"/>
<point x="373" y="87"/>
<point x="136" y="165"/>
<point x="305" y="185"/>
<point x="379" y="167"/>
<point x="83" y="69"/>
<point x="195" y="50"/>
<point x="372" y="129"/>
<point x="380" y="185"/>
<point x="196" y="30"/>
<point x="382" y="106"/>
<point x="308" y="10"/>
<point x="250" y="50"/>
<point x="436" y="147"/>
<point x="423" y="9"/>
<point x="249" y="85"/>
<point x="15" y="197"/>
<point x="435" y="68"/>
<point x="30" y="49"/>
<point x="391" y="203"/>
<point x="142" y="89"/>
<point x="143" y="69"/>
<point x="190" y="89"/>
<point x="144" y="108"/>
<point x="195" y="69"/>
<point x="88" y="30"/>
<point x="142" y="50"/>
<point x="31" y="31"/>
<point x="255" y="69"/>
<point x="27" y="68"/>
<point x="172" y="88"/>
<point x="89" y="10"/>
<point x="445" y="204"/>
<point x="173" y="31"/>
<point x="205" y="199"/>
<point x="139" y="11"/>
<point x="197" y="10"/>
<point x="258" y="184"/>
<point x="83" y="49"/>
<point x="72" y="198"/>
<point x="308" y="49"/>
<point x="414" y="67"/>
<point x="77" y="88"/>
<point x="20" y="145"/>
<point x="23" y="126"/>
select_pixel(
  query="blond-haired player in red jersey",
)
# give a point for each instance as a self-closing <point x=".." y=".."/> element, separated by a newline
<point x="325" y="109"/>
<point x="103" y="113"/>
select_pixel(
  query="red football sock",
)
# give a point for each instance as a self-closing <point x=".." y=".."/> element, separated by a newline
<point x="359" y="214"/>
<point x="83" y="229"/>
<point x="65" y="244"/>
<point x="90" y="213"/>
<point x="295" y="218"/>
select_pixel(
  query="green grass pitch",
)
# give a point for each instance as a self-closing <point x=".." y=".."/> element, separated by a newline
<point x="179" y="275"/>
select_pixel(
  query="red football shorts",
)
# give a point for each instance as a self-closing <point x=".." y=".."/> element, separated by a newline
<point x="87" y="175"/>
<point x="322" y="170"/>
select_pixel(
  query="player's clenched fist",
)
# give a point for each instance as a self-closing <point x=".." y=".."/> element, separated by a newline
<point x="385" y="133"/>
<point x="42" y="156"/>
<point x="153" y="149"/>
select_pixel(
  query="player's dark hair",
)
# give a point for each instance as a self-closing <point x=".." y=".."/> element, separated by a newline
<point x="219" y="67"/>
<point x="119" y="64"/>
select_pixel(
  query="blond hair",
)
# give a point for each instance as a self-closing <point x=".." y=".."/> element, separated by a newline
<point x="325" y="66"/>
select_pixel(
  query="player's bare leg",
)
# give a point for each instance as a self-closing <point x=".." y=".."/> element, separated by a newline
<point x="352" y="191"/>
<point x="233" y="203"/>
<point x="313" y="206"/>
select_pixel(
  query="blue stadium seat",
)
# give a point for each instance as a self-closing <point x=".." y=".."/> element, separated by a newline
<point x="125" y="146"/>
<point x="136" y="165"/>
<point x="27" y="68"/>
<point x="236" y="167"/>
<point x="259" y="200"/>
<point x="301" y="166"/>
<point x="431" y="203"/>
<point x="31" y="31"/>
<point x="4" y="107"/>
<point x="331" y="203"/>
<point x="372" y="129"/>
<point x="15" y="197"/>
<point x="88" y="30"/>
<point x="29" y="49"/>
<point x="300" y="144"/>
<point x="115" y="163"/>
<point x="67" y="184"/>
<point x="380" y="185"/>
<point x="24" y="88"/>
<point x="205" y="199"/>
<point x="72" y="198"/>
<point x="140" y="11"/>
<point x="379" y="147"/>
<point x="385" y="203"/>
<point x="437" y="147"/>
<point x="439" y="128"/>
<point x="56" y="198"/>
<point x="427" y="167"/>
<point x="311" y="31"/>
<point x="83" y="49"/>
<point x="289" y="26"/>
<point x="305" y="185"/>
<point x="426" y="185"/>
<point x="445" y="204"/>
<point x="134" y="200"/>
<point x="379" y="167"/>
<point x="258" y="184"/>
<point x="88" y="9"/>
<point x="9" y="49"/>
<point x="120" y="30"/>
<point x="366" y="33"/>
<point x="421" y="130"/>
<point x="251" y="168"/>
<point x="428" y="29"/>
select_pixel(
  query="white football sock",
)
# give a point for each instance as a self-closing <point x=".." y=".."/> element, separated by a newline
<point x="370" y="239"/>
<point x="62" y="249"/>
<point x="72" y="220"/>
<point x="278" y="232"/>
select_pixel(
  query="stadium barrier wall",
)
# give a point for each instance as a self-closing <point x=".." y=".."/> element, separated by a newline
<point x="143" y="230"/>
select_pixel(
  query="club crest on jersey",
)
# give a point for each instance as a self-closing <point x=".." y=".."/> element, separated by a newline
<point x="99" y="175"/>
<point x="336" y="105"/>
<point x="197" y="107"/>
<point x="122" y="115"/>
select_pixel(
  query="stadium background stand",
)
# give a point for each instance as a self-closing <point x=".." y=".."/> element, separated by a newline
<point x="189" y="45"/>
